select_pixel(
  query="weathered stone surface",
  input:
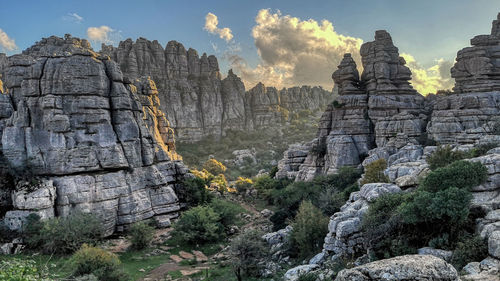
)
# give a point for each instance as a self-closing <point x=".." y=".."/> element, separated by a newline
<point x="195" y="98"/>
<point x="293" y="274"/>
<point x="409" y="267"/>
<point x="101" y="140"/>
<point x="344" y="236"/>
<point x="442" y="254"/>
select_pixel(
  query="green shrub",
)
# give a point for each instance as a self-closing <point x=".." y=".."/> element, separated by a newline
<point x="273" y="171"/>
<point x="481" y="149"/>
<point x="194" y="192"/>
<point x="199" y="225"/>
<point x="374" y="172"/>
<point x="214" y="167"/>
<point x="101" y="263"/>
<point x="140" y="235"/>
<point x="443" y="156"/>
<point x="460" y="174"/>
<point x="22" y="270"/>
<point x="345" y="178"/>
<point x="469" y="249"/>
<point x="242" y="184"/>
<point x="310" y="227"/>
<point x="63" y="235"/>
<point x="308" y="277"/>
<point x="227" y="211"/>
<point x="247" y="251"/>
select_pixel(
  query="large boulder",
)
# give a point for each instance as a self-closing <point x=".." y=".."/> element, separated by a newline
<point x="409" y="267"/>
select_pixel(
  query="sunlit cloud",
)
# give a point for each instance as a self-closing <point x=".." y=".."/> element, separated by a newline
<point x="432" y="79"/>
<point x="294" y="51"/>
<point x="7" y="43"/>
<point x="73" y="17"/>
<point x="211" y="25"/>
<point x="103" y="34"/>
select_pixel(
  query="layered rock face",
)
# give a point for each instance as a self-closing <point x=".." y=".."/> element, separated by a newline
<point x="378" y="109"/>
<point x="195" y="98"/>
<point x="100" y="141"/>
<point x="473" y="111"/>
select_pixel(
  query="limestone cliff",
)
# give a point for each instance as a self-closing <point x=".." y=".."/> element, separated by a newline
<point x="195" y="98"/>
<point x="99" y="142"/>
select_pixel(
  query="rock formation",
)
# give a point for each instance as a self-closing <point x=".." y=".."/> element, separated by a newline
<point x="410" y="267"/>
<point x="195" y="98"/>
<point x="98" y="141"/>
<point x="378" y="109"/>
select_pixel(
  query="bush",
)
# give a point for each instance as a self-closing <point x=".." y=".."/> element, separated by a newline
<point x="469" y="249"/>
<point x="199" y="225"/>
<point x="214" y="167"/>
<point x="101" y="263"/>
<point x="460" y="174"/>
<point x="228" y="212"/>
<point x="247" y="251"/>
<point x="481" y="149"/>
<point x="443" y="156"/>
<point x="273" y="171"/>
<point x="203" y="174"/>
<point x="194" y="192"/>
<point x="63" y="235"/>
<point x="310" y="227"/>
<point x="219" y="183"/>
<point x="374" y="172"/>
<point x="22" y="270"/>
<point x="140" y="235"/>
<point x="242" y="184"/>
<point x="330" y="200"/>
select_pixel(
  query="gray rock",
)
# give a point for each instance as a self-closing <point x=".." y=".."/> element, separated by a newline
<point x="443" y="254"/>
<point x="410" y="267"/>
<point x="293" y="274"/>
<point x="494" y="244"/>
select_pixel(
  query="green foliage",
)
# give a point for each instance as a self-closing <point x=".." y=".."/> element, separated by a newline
<point x="140" y="235"/>
<point x="481" y="149"/>
<point x="310" y="227"/>
<point x="22" y="270"/>
<point x="227" y="211"/>
<point x="63" y="235"/>
<point x="214" y="167"/>
<point x="337" y="104"/>
<point x="374" y="172"/>
<point x="194" y="192"/>
<point x="469" y="249"/>
<point x="443" y="156"/>
<point x="199" y="225"/>
<point x="242" y="184"/>
<point x="308" y="277"/>
<point x="273" y="171"/>
<point x="330" y="200"/>
<point x="436" y="213"/>
<point x="246" y="251"/>
<point x="101" y="263"/>
<point x="460" y="174"/>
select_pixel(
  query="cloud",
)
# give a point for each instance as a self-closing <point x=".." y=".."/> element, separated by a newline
<point x="7" y="43"/>
<point x="211" y="22"/>
<point x="429" y="80"/>
<point x="295" y="51"/>
<point x="100" y="34"/>
<point x="74" y="17"/>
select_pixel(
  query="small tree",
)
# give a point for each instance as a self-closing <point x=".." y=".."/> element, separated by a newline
<point x="140" y="235"/>
<point x="101" y="263"/>
<point x="194" y="192"/>
<point x="247" y="251"/>
<point x="214" y="167"/>
<point x="374" y="172"/>
<point x="199" y="225"/>
<point x="443" y="156"/>
<point x="310" y="227"/>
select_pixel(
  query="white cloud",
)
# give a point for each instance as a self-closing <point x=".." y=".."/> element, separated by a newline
<point x="74" y="17"/>
<point x="295" y="52"/>
<point x="211" y="22"/>
<point x="100" y="34"/>
<point x="7" y="43"/>
<point x="432" y="79"/>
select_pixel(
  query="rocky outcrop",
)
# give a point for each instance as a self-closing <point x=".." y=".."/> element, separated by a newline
<point x="471" y="113"/>
<point x="344" y="237"/>
<point x="410" y="267"/>
<point x="99" y="140"/>
<point x="195" y="98"/>
<point x="380" y="109"/>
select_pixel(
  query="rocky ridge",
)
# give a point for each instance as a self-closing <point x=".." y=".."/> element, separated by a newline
<point x="195" y="98"/>
<point x="97" y="142"/>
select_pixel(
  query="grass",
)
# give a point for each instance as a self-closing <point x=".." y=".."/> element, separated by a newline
<point x="133" y="261"/>
<point x="59" y="267"/>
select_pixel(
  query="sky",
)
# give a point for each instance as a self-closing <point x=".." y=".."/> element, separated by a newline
<point x="279" y="42"/>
